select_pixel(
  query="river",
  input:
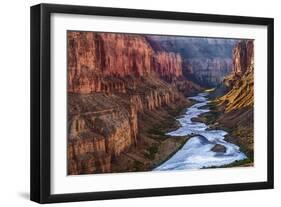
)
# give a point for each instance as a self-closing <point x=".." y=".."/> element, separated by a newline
<point x="196" y="152"/>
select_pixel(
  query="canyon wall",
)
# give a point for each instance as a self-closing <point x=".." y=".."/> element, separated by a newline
<point x="205" y="60"/>
<point x="238" y="103"/>
<point x="99" y="62"/>
<point x="93" y="57"/>
<point x="101" y="129"/>
<point x="111" y="79"/>
<point x="208" y="72"/>
<point x="168" y="65"/>
<point x="241" y="80"/>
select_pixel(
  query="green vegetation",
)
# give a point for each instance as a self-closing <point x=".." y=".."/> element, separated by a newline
<point x="161" y="127"/>
<point x="236" y="163"/>
<point x="157" y="131"/>
<point x="137" y="165"/>
<point x="182" y="143"/>
<point x="174" y="111"/>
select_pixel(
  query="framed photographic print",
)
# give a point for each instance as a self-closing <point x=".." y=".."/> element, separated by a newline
<point x="132" y="103"/>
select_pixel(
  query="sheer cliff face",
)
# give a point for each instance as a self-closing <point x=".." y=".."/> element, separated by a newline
<point x="241" y="80"/>
<point x="205" y="60"/>
<point x="95" y="59"/>
<point x="111" y="79"/>
<point x="92" y="57"/>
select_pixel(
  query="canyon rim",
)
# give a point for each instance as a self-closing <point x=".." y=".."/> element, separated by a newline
<point x="139" y="102"/>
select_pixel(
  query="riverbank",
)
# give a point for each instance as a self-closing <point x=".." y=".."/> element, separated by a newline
<point x="238" y="124"/>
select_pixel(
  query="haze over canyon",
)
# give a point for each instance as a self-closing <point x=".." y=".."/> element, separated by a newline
<point x="127" y="91"/>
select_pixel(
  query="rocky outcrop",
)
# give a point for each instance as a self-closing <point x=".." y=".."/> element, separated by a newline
<point x="219" y="148"/>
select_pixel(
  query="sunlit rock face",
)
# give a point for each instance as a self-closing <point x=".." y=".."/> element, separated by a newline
<point x="205" y="60"/>
<point x="111" y="79"/>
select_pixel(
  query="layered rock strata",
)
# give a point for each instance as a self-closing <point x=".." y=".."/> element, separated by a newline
<point x="99" y="62"/>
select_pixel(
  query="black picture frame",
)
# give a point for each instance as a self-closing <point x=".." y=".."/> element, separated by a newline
<point x="41" y="99"/>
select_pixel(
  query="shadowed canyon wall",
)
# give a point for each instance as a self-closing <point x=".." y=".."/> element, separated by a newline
<point x="111" y="79"/>
<point x="205" y="60"/>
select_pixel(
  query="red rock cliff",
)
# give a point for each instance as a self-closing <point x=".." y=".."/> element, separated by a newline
<point x="168" y="64"/>
<point x="97" y="62"/>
